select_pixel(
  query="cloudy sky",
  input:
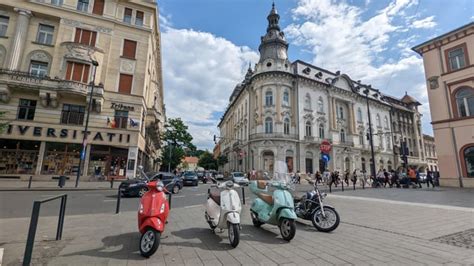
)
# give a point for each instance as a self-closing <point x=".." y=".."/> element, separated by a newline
<point x="208" y="44"/>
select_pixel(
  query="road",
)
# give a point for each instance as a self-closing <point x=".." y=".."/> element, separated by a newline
<point x="17" y="204"/>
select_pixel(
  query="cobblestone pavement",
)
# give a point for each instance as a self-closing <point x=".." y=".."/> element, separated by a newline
<point x="17" y="185"/>
<point x="372" y="232"/>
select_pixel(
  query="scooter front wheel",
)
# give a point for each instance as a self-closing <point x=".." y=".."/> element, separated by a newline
<point x="149" y="242"/>
<point x="287" y="229"/>
<point x="234" y="234"/>
<point x="255" y="220"/>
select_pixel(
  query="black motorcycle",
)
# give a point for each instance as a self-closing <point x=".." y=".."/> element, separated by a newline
<point x="310" y="207"/>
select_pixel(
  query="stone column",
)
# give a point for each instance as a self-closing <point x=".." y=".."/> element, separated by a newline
<point x="333" y="112"/>
<point x="39" y="163"/>
<point x="278" y="95"/>
<point x="353" y="119"/>
<point x="19" y="38"/>
<point x="260" y="107"/>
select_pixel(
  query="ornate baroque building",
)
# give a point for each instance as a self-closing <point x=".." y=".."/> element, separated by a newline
<point x="283" y="110"/>
<point x="48" y="52"/>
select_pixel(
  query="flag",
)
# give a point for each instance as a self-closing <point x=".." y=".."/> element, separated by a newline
<point x="111" y="123"/>
<point x="133" y="123"/>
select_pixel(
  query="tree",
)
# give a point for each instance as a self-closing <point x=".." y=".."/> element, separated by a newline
<point x="207" y="161"/>
<point x="177" y="139"/>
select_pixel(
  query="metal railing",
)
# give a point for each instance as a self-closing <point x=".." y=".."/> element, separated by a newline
<point x="34" y="224"/>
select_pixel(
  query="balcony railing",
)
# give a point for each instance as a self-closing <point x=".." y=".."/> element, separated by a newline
<point x="273" y="136"/>
<point x="26" y="79"/>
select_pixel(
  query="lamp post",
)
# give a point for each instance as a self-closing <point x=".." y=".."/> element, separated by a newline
<point x="84" y="138"/>
<point x="371" y="142"/>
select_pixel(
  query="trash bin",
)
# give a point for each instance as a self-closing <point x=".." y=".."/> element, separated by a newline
<point x="62" y="181"/>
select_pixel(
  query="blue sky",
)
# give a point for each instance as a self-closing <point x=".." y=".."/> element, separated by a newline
<point x="207" y="44"/>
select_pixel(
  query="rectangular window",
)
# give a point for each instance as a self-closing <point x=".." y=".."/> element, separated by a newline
<point x="139" y="18"/>
<point x="72" y="114"/>
<point x="83" y="5"/>
<point x="456" y="58"/>
<point x="77" y="72"/>
<point x="127" y="16"/>
<point x="39" y="69"/>
<point x="125" y="83"/>
<point x="86" y="37"/>
<point x="45" y="34"/>
<point x="121" y="119"/>
<point x="98" y="8"/>
<point x="129" y="49"/>
<point x="57" y="2"/>
<point x="26" y="109"/>
<point x="3" y="25"/>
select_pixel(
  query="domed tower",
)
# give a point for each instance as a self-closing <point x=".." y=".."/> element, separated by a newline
<point x="273" y="46"/>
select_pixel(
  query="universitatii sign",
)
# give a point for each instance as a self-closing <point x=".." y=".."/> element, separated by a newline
<point x="52" y="133"/>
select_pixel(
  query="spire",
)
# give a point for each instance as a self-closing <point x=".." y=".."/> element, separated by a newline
<point x="273" y="19"/>
<point x="273" y="44"/>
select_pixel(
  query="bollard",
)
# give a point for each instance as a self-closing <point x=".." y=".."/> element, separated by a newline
<point x="342" y="185"/>
<point x="119" y="196"/>
<point x="243" y="195"/>
<point x="112" y="182"/>
<point x="330" y="190"/>
<point x="354" y="185"/>
<point x="29" y="182"/>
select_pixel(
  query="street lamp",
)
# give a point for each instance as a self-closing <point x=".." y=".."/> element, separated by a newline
<point x="371" y="141"/>
<point x="84" y="138"/>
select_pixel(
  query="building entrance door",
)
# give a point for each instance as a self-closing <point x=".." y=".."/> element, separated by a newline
<point x="309" y="165"/>
<point x="268" y="161"/>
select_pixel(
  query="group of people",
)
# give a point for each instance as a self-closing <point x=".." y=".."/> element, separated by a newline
<point x="383" y="178"/>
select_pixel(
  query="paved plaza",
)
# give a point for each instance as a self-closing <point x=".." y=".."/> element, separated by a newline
<point x="373" y="231"/>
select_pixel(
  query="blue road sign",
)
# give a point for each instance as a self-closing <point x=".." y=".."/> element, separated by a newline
<point x="326" y="157"/>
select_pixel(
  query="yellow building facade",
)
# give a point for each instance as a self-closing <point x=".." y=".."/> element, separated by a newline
<point x="53" y="53"/>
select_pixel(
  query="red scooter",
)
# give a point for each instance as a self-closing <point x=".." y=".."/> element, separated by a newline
<point x="152" y="217"/>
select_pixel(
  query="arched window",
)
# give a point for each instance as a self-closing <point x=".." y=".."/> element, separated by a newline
<point x="308" y="129"/>
<point x="385" y="122"/>
<point x="361" y="138"/>
<point x="343" y="136"/>
<point x="469" y="161"/>
<point x="321" y="131"/>
<point x="359" y="115"/>
<point x="379" y="122"/>
<point x="341" y="112"/>
<point x="268" y="125"/>
<point x="286" y="98"/>
<point x="307" y="101"/>
<point x="465" y="102"/>
<point x="268" y="98"/>
<point x="286" y="126"/>
<point x="320" y="105"/>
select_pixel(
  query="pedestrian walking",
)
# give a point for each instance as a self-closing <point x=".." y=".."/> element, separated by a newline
<point x="318" y="177"/>
<point x="354" y="177"/>
<point x="298" y="177"/>
<point x="429" y="179"/>
<point x="326" y="177"/>
<point x="386" y="179"/>
<point x="346" y="177"/>
<point x="417" y="178"/>
<point x="334" y="179"/>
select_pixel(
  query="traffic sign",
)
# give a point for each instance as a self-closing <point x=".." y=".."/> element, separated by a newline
<point x="325" y="146"/>
<point x="326" y="157"/>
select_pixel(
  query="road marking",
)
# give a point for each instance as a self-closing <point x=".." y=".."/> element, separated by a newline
<point x="181" y="196"/>
<point x="436" y="206"/>
<point x="193" y="206"/>
<point x="92" y="195"/>
<point x="1" y="256"/>
<point x="200" y="194"/>
<point x="110" y="200"/>
<point x="48" y="195"/>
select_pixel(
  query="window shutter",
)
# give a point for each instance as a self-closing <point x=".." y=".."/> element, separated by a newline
<point x="77" y="38"/>
<point x="77" y="72"/>
<point x="93" y="38"/>
<point x="86" y="37"/>
<point x="69" y="70"/>
<point x="125" y="83"/>
<point x="129" y="49"/>
<point x="98" y="7"/>
<point x="128" y="12"/>
<point x="85" y="75"/>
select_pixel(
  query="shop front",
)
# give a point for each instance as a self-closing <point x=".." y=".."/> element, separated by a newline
<point x="18" y="157"/>
<point x="107" y="162"/>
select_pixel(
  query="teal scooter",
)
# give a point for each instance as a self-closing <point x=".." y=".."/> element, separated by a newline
<point x="276" y="209"/>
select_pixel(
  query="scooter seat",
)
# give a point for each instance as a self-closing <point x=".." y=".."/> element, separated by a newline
<point x="215" y="195"/>
<point x="266" y="197"/>
<point x="261" y="184"/>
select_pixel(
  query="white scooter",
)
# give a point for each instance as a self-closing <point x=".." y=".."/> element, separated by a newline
<point x="223" y="210"/>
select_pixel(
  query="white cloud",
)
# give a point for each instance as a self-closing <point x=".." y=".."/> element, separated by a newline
<point x="200" y="71"/>
<point x="342" y="39"/>
<point x="426" y="23"/>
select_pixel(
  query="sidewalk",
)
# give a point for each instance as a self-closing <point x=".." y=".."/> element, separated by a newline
<point x="371" y="232"/>
<point x="17" y="185"/>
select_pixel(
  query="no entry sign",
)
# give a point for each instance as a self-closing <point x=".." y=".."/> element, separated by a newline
<point x="325" y="147"/>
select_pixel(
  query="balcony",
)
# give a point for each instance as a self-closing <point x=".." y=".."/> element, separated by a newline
<point x="45" y="85"/>
<point x="273" y="136"/>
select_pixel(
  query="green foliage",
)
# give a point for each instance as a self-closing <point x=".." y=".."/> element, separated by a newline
<point x="207" y="161"/>
<point x="222" y="160"/>
<point x="177" y="139"/>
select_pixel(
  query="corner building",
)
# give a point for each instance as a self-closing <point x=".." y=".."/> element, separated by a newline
<point x="449" y="72"/>
<point x="283" y="110"/>
<point x="47" y="51"/>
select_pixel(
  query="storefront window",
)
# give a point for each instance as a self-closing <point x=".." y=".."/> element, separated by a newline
<point x="61" y="159"/>
<point x="107" y="162"/>
<point x="18" y="157"/>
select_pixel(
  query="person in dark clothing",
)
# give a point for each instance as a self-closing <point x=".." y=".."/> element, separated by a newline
<point x="429" y="179"/>
<point x="318" y="177"/>
<point x="386" y="179"/>
<point x="418" y="182"/>
<point x="334" y="179"/>
<point x="346" y="177"/>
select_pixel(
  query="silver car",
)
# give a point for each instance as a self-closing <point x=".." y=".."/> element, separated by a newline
<point x="239" y="178"/>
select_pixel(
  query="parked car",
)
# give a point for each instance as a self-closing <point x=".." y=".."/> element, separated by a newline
<point x="138" y="186"/>
<point x="239" y="178"/>
<point x="190" y="178"/>
<point x="200" y="175"/>
<point x="220" y="176"/>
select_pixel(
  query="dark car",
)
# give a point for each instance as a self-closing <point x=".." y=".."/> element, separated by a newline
<point x="201" y="175"/>
<point x="138" y="186"/>
<point x="190" y="178"/>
